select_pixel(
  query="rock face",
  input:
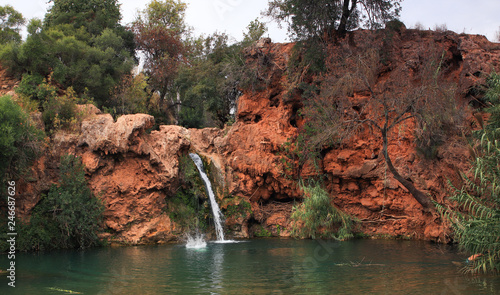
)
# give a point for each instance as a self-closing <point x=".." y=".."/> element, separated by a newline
<point x="357" y="176"/>
<point x="133" y="172"/>
<point x="134" y="169"/>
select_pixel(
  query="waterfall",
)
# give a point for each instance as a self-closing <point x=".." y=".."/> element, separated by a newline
<point x="215" y="207"/>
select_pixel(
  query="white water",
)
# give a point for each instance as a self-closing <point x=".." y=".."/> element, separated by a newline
<point x="196" y="242"/>
<point x="215" y="207"/>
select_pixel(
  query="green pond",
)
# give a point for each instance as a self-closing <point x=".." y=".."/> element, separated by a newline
<point x="261" y="266"/>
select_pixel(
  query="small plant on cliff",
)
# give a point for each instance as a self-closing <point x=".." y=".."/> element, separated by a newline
<point x="69" y="216"/>
<point x="237" y="207"/>
<point x="318" y="217"/>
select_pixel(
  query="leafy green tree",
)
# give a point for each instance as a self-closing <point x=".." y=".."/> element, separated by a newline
<point x="10" y="24"/>
<point x="95" y="15"/>
<point x="307" y="18"/>
<point x="69" y="216"/>
<point x="130" y="96"/>
<point x="255" y="30"/>
<point x="211" y="82"/>
<point x="80" y="44"/>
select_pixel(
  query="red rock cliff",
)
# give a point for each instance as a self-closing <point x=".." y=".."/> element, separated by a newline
<point x="133" y="171"/>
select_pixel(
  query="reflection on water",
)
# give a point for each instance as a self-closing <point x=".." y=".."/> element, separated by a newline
<point x="267" y="266"/>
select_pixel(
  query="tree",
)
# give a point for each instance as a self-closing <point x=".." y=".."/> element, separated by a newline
<point x="69" y="216"/>
<point x="130" y="96"/>
<point x="255" y="30"/>
<point x="206" y="83"/>
<point x="307" y="18"/>
<point x="211" y="82"/>
<point x="159" y="31"/>
<point x="10" y="24"/>
<point x="80" y="44"/>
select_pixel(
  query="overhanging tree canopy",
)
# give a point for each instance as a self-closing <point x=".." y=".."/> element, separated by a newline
<point x="309" y="18"/>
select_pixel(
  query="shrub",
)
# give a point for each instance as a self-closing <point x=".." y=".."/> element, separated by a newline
<point x="69" y="216"/>
<point x="317" y="217"/>
<point x="35" y="87"/>
<point x="60" y="111"/>
<point x="237" y="207"/>
<point x="18" y="138"/>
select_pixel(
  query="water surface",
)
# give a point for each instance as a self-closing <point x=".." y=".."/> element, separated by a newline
<point x="263" y="266"/>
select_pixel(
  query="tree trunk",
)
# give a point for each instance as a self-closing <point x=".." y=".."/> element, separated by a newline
<point x="422" y="198"/>
<point x="346" y="13"/>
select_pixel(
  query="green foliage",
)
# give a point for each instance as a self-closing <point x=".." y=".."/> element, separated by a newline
<point x="130" y="96"/>
<point x="69" y="216"/>
<point x="395" y="25"/>
<point x="18" y="138"/>
<point x="210" y="84"/>
<point x="188" y="207"/>
<point x="237" y="207"/>
<point x="255" y="30"/>
<point x="79" y="44"/>
<point x="317" y="217"/>
<point x="93" y="15"/>
<point x="263" y="232"/>
<point x="35" y="87"/>
<point x="492" y="96"/>
<point x="308" y="57"/>
<point x="10" y="24"/>
<point x="60" y="111"/>
<point x="476" y="218"/>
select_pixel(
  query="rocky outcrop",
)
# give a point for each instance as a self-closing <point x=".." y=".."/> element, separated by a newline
<point x="134" y="169"/>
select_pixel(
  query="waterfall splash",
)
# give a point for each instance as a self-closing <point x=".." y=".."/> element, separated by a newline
<point x="196" y="242"/>
<point x="215" y="207"/>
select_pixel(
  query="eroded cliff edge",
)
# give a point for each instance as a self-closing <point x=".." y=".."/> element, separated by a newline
<point x="135" y="170"/>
